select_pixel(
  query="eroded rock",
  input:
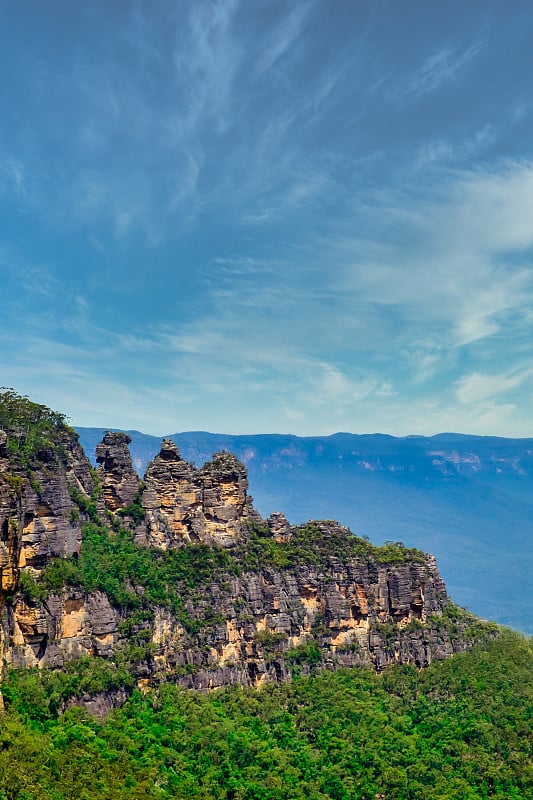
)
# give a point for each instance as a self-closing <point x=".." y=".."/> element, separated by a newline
<point x="245" y="627"/>
<point x="120" y="482"/>
<point x="185" y="504"/>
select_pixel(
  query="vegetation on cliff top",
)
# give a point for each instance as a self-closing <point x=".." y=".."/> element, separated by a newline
<point x="138" y="579"/>
<point x="31" y="428"/>
<point x="460" y="730"/>
<point x="112" y="562"/>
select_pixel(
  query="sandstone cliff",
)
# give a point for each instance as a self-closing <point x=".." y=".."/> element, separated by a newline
<point x="191" y="584"/>
<point x="185" y="504"/>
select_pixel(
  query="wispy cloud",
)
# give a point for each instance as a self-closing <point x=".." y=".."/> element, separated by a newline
<point x="283" y="37"/>
<point x="458" y="260"/>
<point x="477" y="387"/>
<point x="206" y="58"/>
<point x="212" y="202"/>
<point x="441" y="151"/>
<point x="14" y="173"/>
<point x="442" y="66"/>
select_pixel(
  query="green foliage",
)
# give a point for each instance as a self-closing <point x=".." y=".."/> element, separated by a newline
<point x="311" y="544"/>
<point x="31" y="428"/>
<point x="60" y="572"/>
<point x="304" y="654"/>
<point x="35" y="484"/>
<point x="135" y="577"/>
<point x="389" y="631"/>
<point x="30" y="589"/>
<point x="462" y="624"/>
<point x="136" y="620"/>
<point x="86" y="505"/>
<point x="460" y="730"/>
<point x="394" y="553"/>
<point x="270" y="642"/>
<point x="135" y="509"/>
<point x="15" y="483"/>
<point x="41" y="694"/>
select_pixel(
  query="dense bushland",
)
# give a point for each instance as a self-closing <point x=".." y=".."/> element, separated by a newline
<point x="31" y="428"/>
<point x="460" y="730"/>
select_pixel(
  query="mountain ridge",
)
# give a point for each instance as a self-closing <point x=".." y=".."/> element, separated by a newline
<point x="342" y="667"/>
<point x="178" y="577"/>
<point x="476" y="515"/>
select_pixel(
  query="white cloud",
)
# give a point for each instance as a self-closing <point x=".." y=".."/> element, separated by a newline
<point x="453" y="266"/>
<point x="331" y="387"/>
<point x="14" y="170"/>
<point x="292" y="247"/>
<point x="442" y="151"/>
<point x="477" y="387"/>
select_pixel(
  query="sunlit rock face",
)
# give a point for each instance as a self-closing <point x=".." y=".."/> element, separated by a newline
<point x="185" y="504"/>
<point x="245" y="624"/>
<point x="120" y="482"/>
<point x="225" y="498"/>
<point x="38" y="521"/>
<point x="355" y="611"/>
<point x="279" y="527"/>
<point x="172" y="499"/>
<point x="38" y="518"/>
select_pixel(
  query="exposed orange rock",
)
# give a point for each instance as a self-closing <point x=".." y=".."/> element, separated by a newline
<point x="185" y="504"/>
<point x="254" y="619"/>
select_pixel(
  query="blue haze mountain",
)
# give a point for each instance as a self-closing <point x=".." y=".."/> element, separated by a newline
<point x="467" y="499"/>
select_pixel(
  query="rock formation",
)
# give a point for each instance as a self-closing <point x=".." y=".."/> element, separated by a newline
<point x="38" y="516"/>
<point x="185" y="504"/>
<point x="324" y="604"/>
<point x="120" y="482"/>
<point x="279" y="527"/>
<point x="39" y="521"/>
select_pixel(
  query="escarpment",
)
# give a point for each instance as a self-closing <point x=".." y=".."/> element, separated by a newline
<point x="178" y="578"/>
<point x="184" y="504"/>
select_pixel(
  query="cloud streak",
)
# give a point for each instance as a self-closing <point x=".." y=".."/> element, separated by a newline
<point x="439" y="68"/>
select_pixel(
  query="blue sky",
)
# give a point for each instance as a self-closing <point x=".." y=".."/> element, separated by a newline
<point x="269" y="215"/>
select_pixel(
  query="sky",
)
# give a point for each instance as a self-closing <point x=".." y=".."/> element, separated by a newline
<point x="246" y="216"/>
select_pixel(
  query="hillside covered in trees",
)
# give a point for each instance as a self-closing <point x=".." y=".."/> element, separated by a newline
<point x="459" y="730"/>
<point x="335" y="668"/>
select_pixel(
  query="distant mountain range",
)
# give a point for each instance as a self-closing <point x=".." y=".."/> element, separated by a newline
<point x="466" y="499"/>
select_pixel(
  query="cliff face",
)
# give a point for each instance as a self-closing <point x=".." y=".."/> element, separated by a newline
<point x="283" y="599"/>
<point x="184" y="504"/>
<point x="39" y="521"/>
<point x="335" y="614"/>
<point x="253" y="627"/>
<point x="11" y="511"/>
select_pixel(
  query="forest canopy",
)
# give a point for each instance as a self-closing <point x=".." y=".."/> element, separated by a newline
<point x="460" y="730"/>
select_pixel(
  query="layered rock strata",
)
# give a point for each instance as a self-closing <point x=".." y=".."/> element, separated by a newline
<point x="185" y="504"/>
<point x="243" y="627"/>
<point x="39" y="519"/>
<point x="357" y="612"/>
